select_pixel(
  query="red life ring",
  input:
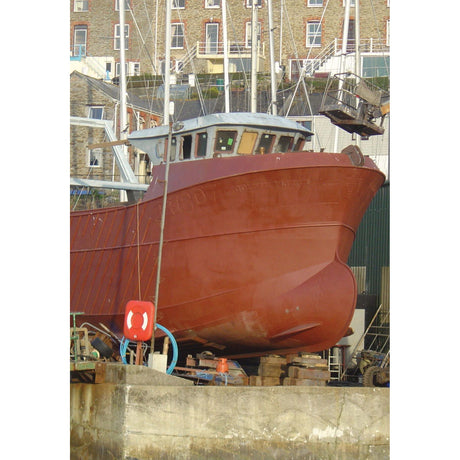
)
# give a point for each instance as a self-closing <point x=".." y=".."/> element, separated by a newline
<point x="139" y="317"/>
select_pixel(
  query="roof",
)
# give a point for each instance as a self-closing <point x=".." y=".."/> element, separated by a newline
<point x="112" y="91"/>
<point x="234" y="118"/>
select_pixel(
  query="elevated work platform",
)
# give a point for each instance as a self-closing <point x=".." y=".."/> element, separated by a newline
<point x="355" y="105"/>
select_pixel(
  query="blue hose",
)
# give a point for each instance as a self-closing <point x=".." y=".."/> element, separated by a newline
<point x="125" y="342"/>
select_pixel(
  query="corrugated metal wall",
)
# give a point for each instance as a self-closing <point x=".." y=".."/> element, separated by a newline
<point x="371" y="248"/>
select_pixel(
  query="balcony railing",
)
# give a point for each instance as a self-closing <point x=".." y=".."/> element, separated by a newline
<point x="77" y="52"/>
<point x="215" y="50"/>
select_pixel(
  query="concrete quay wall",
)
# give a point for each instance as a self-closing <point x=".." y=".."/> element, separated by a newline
<point x="136" y="421"/>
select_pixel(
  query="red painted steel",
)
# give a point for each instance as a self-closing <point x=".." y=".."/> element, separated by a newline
<point x="254" y="255"/>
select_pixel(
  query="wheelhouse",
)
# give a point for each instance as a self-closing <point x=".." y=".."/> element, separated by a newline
<point x="221" y="135"/>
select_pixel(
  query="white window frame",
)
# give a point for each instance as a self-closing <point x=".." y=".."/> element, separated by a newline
<point x="80" y="6"/>
<point x="388" y="33"/>
<point x="117" y="37"/>
<point x="315" y="3"/>
<point x="177" y="2"/>
<point x="212" y="47"/>
<point x="174" y="27"/>
<point x="78" y="46"/>
<point x="117" y="68"/>
<point x="352" y="3"/>
<point x="93" y="107"/>
<point x="312" y="37"/>
<point x="95" y="158"/>
<point x="247" y="37"/>
<point x="212" y="4"/>
<point x="249" y="3"/>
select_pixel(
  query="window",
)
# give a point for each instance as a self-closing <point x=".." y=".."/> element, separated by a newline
<point x="225" y="141"/>
<point x="315" y="3"/>
<point x="265" y="143"/>
<point x="202" y="142"/>
<point x="177" y="35"/>
<point x="127" y="5"/>
<point x="212" y="37"/>
<point x="248" y="140"/>
<point x="96" y="112"/>
<point x="117" y="36"/>
<point x="249" y="3"/>
<point x="79" y="40"/>
<point x="212" y="4"/>
<point x="186" y="147"/>
<point x="178" y="4"/>
<point x="80" y="5"/>
<point x="117" y="69"/>
<point x="284" y="144"/>
<point x="352" y="3"/>
<point x="313" y="33"/>
<point x="95" y="158"/>
<point x="249" y="33"/>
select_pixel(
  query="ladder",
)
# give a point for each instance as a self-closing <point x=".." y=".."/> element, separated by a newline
<point x="375" y="343"/>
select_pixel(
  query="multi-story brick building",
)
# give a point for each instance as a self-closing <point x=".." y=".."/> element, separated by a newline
<point x="305" y="31"/>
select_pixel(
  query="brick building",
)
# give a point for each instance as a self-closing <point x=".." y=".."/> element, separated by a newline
<point x="97" y="100"/>
<point x="306" y="31"/>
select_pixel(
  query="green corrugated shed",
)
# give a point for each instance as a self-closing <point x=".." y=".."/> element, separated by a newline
<point x="371" y="248"/>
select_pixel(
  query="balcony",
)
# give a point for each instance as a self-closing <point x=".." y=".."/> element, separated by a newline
<point x="215" y="50"/>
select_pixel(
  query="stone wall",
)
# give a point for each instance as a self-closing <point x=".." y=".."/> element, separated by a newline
<point x="138" y="421"/>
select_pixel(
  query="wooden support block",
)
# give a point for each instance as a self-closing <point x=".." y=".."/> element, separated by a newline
<point x="310" y="362"/>
<point x="259" y="381"/>
<point x="289" y="381"/>
<point x="280" y="360"/>
<point x="306" y="373"/>
<point x="271" y="370"/>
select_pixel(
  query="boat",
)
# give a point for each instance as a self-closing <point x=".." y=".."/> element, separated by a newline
<point x="257" y="233"/>
<point x="241" y="240"/>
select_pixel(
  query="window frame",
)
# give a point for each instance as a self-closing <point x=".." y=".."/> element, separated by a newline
<point x="95" y="155"/>
<point x="176" y="36"/>
<point x="248" y="33"/>
<point x="117" y="37"/>
<point x="232" y="145"/>
<point x="96" y="107"/>
<point x="174" y="4"/>
<point x="314" y="5"/>
<point x="207" y="4"/>
<point x="314" y="36"/>
<point x="127" y="5"/>
<point x="78" y="46"/>
<point x="249" y="4"/>
<point x="82" y="2"/>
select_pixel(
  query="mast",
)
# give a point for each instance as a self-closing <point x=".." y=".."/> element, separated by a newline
<point x="274" y="109"/>
<point x="357" y="53"/>
<point x="346" y="22"/>
<point x="122" y="89"/>
<point x="254" y="58"/>
<point x="167" y="80"/>
<point x="226" y="79"/>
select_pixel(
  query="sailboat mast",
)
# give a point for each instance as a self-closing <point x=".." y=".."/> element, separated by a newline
<point x="346" y="22"/>
<point x="274" y="109"/>
<point x="167" y="80"/>
<point x="254" y="58"/>
<point x="226" y="79"/>
<point x="122" y="82"/>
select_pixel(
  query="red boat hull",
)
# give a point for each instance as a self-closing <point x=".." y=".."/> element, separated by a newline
<point x="254" y="254"/>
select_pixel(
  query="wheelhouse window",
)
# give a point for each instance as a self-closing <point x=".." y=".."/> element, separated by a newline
<point x="186" y="147"/>
<point x="313" y="33"/>
<point x="177" y="35"/>
<point x="201" y="144"/>
<point x="265" y="143"/>
<point x="248" y="140"/>
<point x="284" y="144"/>
<point x="225" y="141"/>
<point x="117" y="36"/>
<point x="80" y="6"/>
